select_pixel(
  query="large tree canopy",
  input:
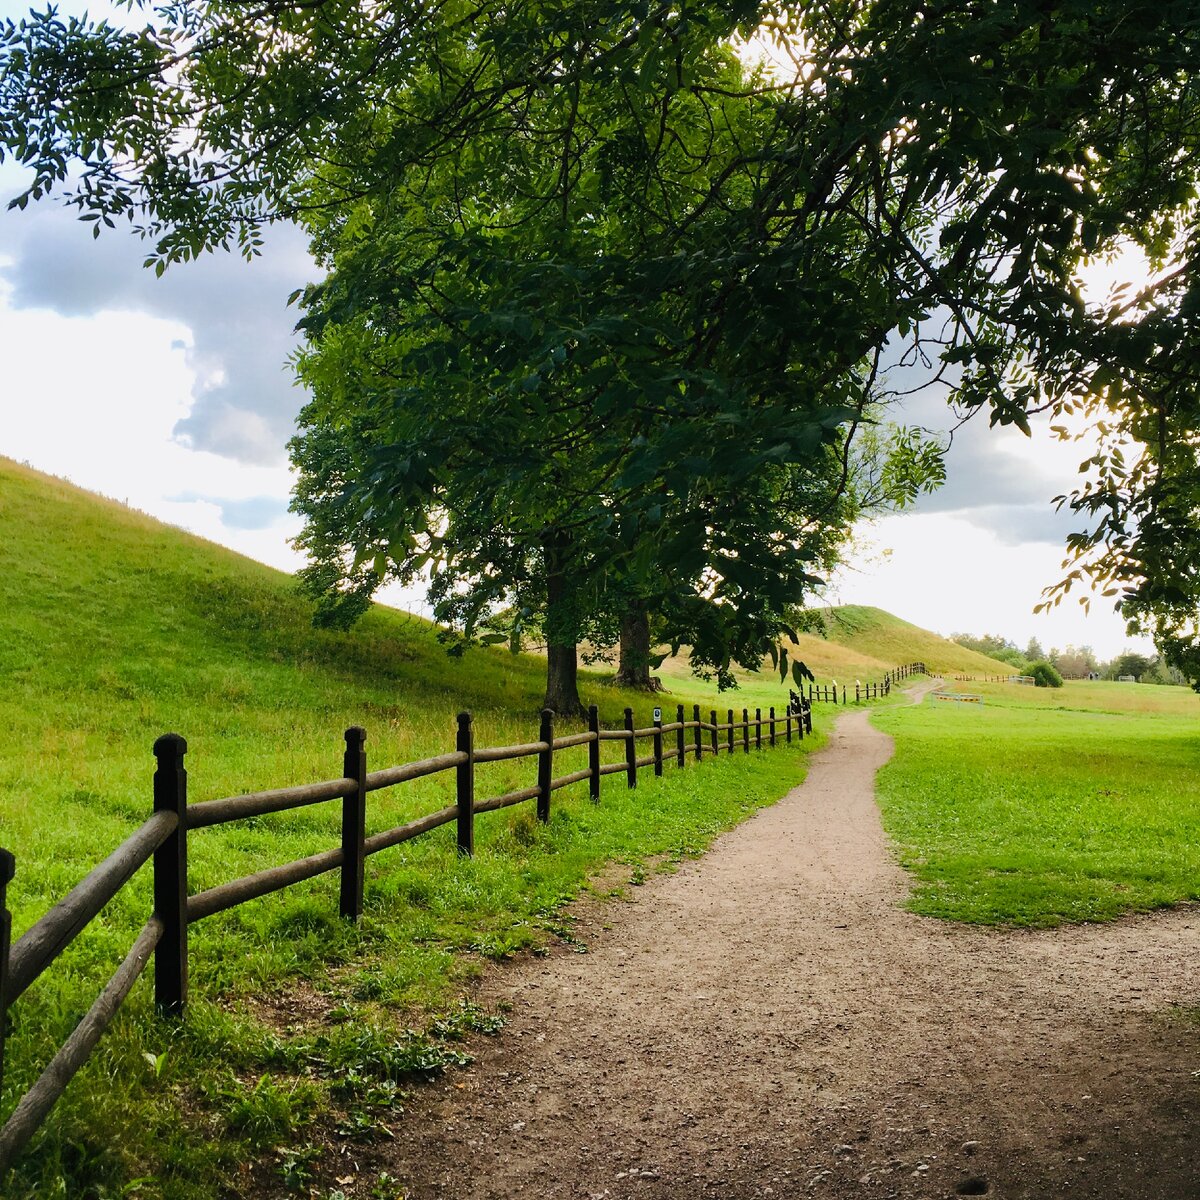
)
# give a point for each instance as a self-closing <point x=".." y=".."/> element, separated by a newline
<point x="554" y="376"/>
<point x="935" y="173"/>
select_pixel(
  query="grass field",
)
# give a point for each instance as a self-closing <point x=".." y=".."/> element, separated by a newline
<point x="1042" y="806"/>
<point x="115" y="629"/>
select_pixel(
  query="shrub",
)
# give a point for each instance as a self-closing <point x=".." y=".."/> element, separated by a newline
<point x="1045" y="675"/>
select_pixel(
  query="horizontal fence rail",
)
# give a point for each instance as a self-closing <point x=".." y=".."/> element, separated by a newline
<point x="163" y="841"/>
<point x="832" y="693"/>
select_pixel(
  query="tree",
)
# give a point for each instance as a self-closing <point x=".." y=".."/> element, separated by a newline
<point x="981" y="153"/>
<point x="1044" y="675"/>
<point x="1074" y="662"/>
<point x="1132" y="664"/>
<point x="554" y="381"/>
<point x="989" y="643"/>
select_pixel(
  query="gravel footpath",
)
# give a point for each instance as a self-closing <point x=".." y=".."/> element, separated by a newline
<point x="768" y="1021"/>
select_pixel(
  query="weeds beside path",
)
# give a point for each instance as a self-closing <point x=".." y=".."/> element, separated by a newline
<point x="769" y="1021"/>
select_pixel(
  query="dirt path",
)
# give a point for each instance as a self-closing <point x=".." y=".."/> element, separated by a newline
<point x="769" y="1022"/>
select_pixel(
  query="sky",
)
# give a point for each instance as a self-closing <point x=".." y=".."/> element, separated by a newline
<point x="174" y="394"/>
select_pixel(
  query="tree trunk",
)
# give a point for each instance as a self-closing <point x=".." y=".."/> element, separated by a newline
<point x="633" y="670"/>
<point x="562" y="674"/>
<point x="562" y="661"/>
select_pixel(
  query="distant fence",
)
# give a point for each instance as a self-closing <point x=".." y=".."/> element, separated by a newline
<point x="991" y="678"/>
<point x="830" y="693"/>
<point x="163" y="841"/>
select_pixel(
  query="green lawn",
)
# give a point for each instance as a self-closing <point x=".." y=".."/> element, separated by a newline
<point x="1042" y="806"/>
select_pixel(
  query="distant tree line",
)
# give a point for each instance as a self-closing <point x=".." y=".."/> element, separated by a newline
<point x="1074" y="662"/>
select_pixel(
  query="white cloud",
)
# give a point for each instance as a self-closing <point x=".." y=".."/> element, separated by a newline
<point x="96" y="399"/>
<point x="945" y="573"/>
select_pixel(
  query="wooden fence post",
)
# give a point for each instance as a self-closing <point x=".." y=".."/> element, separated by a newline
<point x="680" y="738"/>
<point x="546" y="765"/>
<point x="465" y="785"/>
<point x="716" y="737"/>
<point x="731" y="731"/>
<point x="630" y="750"/>
<point x="787" y="725"/>
<point x="745" y="731"/>
<point x="758" y="729"/>
<point x="8" y="867"/>
<point x="354" y="825"/>
<point x="699" y="738"/>
<point x="594" y="753"/>
<point x="658" y="742"/>
<point x="772" y="724"/>
<point x="170" y="879"/>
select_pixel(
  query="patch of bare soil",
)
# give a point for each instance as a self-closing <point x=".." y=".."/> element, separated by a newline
<point x="769" y="1021"/>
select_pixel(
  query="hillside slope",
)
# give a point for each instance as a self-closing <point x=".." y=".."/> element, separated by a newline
<point x="860" y="641"/>
<point x="115" y="628"/>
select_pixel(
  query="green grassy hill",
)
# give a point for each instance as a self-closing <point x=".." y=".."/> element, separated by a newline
<point x="860" y="641"/>
<point x="118" y="628"/>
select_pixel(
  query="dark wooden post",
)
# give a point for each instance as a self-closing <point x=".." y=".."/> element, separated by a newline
<point x="699" y="738"/>
<point x="857" y="697"/>
<point x="758" y="729"/>
<point x="680" y="738"/>
<point x="465" y="781"/>
<point x="772" y="724"/>
<point x="745" y="731"/>
<point x="716" y="737"/>
<point x="546" y="765"/>
<point x="658" y="742"/>
<point x="810" y="692"/>
<point x="170" y="879"/>
<point x="787" y="725"/>
<point x="354" y="824"/>
<point x="630" y="750"/>
<point x="8" y="867"/>
<point x="594" y="753"/>
<point x="731" y="731"/>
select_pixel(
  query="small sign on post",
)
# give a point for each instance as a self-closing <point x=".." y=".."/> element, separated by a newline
<point x="658" y="714"/>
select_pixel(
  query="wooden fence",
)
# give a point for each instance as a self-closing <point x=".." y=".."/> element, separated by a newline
<point x="163" y="841"/>
<point x="830" y="693"/>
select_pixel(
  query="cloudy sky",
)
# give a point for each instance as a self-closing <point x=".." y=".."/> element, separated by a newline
<point x="175" y="395"/>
